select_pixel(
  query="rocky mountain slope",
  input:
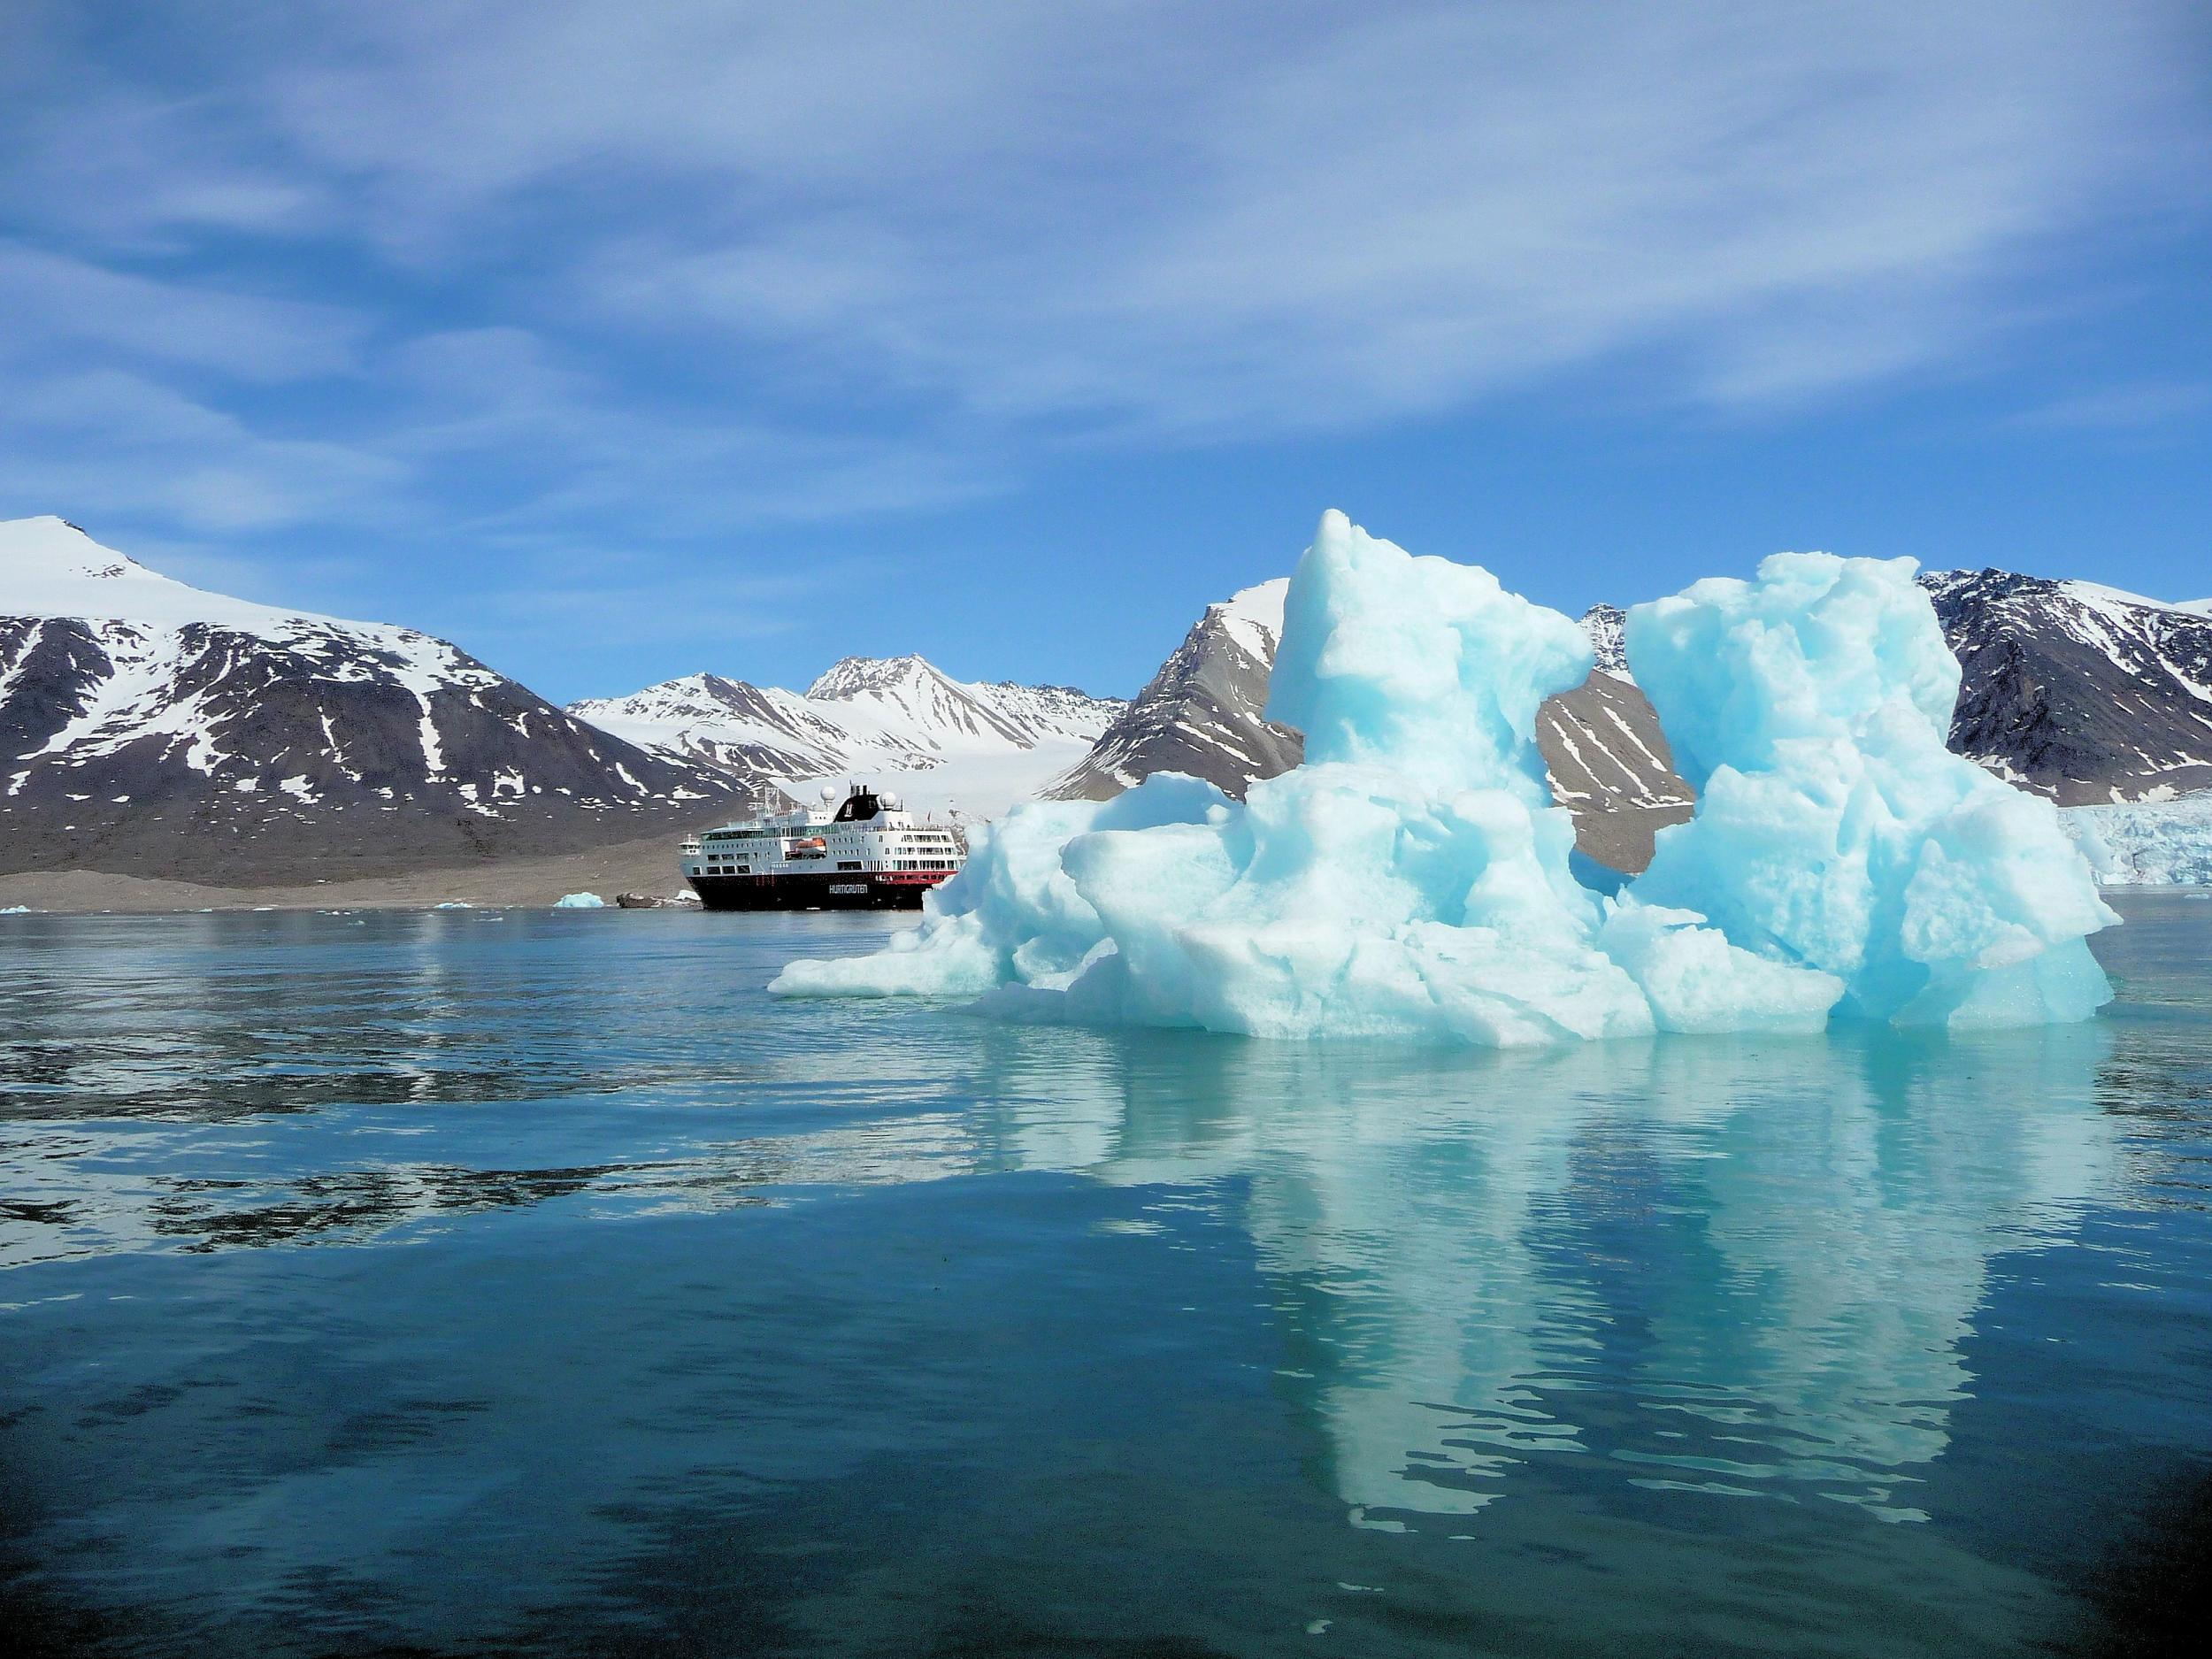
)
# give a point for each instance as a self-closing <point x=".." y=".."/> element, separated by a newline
<point x="2079" y="691"/>
<point x="899" y="721"/>
<point x="1201" y="712"/>
<point x="148" y="727"/>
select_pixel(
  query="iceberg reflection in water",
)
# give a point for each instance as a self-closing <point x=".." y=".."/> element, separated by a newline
<point x="435" y="1284"/>
<point x="1775" y="1248"/>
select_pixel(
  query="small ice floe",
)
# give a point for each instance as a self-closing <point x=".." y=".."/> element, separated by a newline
<point x="454" y="904"/>
<point x="580" y="902"/>
<point x="16" y="909"/>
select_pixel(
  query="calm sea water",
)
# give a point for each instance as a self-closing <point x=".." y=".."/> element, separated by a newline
<point x="470" y="1282"/>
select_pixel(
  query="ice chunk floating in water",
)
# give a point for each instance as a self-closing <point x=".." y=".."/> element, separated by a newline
<point x="1833" y="828"/>
<point x="1410" y="880"/>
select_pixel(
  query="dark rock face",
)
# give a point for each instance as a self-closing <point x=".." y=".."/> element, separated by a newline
<point x="1201" y="715"/>
<point x="221" y="753"/>
<point x="2074" y="691"/>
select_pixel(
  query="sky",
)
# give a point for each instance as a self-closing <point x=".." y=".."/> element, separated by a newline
<point x="619" y="339"/>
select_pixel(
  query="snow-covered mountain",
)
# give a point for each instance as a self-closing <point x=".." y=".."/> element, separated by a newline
<point x="2079" y="691"/>
<point x="149" y="727"/>
<point x="900" y="722"/>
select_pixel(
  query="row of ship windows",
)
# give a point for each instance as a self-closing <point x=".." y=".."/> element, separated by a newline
<point x="717" y="866"/>
<point x="936" y="838"/>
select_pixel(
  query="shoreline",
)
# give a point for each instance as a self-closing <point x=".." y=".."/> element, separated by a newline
<point x="646" y="865"/>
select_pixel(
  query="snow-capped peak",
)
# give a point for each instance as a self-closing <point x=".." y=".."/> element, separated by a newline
<point x="2005" y="583"/>
<point x="900" y="720"/>
<point x="856" y="676"/>
<point x="1253" y="617"/>
<point x="270" y="741"/>
<point x="51" y="568"/>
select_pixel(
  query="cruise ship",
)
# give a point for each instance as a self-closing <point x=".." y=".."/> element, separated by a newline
<point x="865" y="852"/>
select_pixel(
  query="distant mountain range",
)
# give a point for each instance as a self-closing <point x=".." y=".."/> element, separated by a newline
<point x="148" y="727"/>
<point x="900" y="722"/>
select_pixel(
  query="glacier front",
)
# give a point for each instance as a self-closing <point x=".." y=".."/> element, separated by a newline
<point x="1411" y="879"/>
<point x="2147" y="843"/>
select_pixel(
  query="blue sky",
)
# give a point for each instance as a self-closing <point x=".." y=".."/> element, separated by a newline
<point x="615" y="341"/>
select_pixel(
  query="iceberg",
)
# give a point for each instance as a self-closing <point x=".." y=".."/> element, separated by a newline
<point x="1411" y="880"/>
<point x="1012" y="916"/>
<point x="1833" y="827"/>
<point x="580" y="902"/>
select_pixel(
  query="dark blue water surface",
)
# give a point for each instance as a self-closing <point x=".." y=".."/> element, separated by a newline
<point x="470" y="1282"/>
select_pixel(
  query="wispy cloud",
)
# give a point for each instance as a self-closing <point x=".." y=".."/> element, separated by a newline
<point x="2138" y="408"/>
<point x="64" y="308"/>
<point x="552" y="266"/>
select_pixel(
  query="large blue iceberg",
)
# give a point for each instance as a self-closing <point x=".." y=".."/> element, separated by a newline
<point x="1412" y="880"/>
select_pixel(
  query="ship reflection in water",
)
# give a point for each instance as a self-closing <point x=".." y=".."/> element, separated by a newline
<point x="478" y="1289"/>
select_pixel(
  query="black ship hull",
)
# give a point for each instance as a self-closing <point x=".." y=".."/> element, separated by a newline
<point x="881" y="890"/>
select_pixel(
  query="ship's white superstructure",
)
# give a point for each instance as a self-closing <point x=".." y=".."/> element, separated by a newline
<point x="866" y="852"/>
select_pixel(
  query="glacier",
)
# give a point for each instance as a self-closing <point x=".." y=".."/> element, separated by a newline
<point x="2147" y="843"/>
<point x="1412" y="880"/>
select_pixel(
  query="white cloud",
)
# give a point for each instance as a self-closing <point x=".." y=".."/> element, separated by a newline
<point x="1271" y="218"/>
